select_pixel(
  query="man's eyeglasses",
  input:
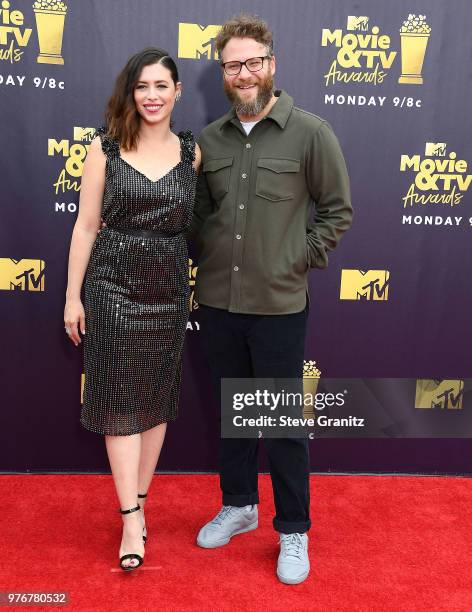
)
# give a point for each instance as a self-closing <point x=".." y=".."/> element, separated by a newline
<point x="253" y="64"/>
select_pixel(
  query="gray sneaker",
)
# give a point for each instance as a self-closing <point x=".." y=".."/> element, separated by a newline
<point x="229" y="521"/>
<point x="293" y="565"/>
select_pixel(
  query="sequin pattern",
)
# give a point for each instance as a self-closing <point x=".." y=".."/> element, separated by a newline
<point x="137" y="296"/>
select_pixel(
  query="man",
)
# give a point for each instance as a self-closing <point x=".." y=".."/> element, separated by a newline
<point x="263" y="165"/>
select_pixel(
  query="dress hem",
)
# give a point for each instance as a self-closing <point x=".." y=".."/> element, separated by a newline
<point x="105" y="433"/>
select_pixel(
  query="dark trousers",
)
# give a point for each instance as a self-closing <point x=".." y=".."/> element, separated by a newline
<point x="260" y="346"/>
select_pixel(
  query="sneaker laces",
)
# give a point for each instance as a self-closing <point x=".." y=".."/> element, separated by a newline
<point x="224" y="513"/>
<point x="292" y="545"/>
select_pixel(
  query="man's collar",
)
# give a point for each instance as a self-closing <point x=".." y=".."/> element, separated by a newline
<point x="279" y="113"/>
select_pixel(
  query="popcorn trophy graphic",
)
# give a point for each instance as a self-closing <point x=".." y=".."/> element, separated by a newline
<point x="311" y="377"/>
<point x="50" y="16"/>
<point x="414" y="33"/>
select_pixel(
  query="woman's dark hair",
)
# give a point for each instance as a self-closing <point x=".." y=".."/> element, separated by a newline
<point x="121" y="115"/>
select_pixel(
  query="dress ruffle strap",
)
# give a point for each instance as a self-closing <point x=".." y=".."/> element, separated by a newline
<point x="110" y="146"/>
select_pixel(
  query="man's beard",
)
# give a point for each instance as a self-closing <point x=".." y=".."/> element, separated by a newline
<point x="254" y="107"/>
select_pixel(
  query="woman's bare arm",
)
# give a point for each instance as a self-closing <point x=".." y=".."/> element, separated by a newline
<point x="84" y="235"/>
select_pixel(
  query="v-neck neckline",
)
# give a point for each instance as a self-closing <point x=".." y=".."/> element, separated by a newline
<point x="145" y="175"/>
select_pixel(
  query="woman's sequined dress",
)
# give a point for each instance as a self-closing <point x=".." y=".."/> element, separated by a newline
<point x="137" y="295"/>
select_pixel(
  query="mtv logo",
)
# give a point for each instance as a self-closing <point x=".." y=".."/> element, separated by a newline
<point x="22" y="274"/>
<point x="83" y="134"/>
<point x="442" y="394"/>
<point x="196" y="41"/>
<point x="360" y="285"/>
<point x="360" y="24"/>
<point x="435" y="149"/>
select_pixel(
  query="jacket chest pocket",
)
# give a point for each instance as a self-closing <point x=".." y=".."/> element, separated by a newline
<point x="217" y="173"/>
<point x="276" y="178"/>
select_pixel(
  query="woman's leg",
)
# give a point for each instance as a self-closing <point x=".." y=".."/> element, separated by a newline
<point x="124" y="455"/>
<point x="151" y="445"/>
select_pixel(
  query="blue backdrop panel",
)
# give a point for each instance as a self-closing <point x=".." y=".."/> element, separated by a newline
<point x="399" y="103"/>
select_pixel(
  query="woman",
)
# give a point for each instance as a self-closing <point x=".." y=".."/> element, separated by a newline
<point x="140" y="178"/>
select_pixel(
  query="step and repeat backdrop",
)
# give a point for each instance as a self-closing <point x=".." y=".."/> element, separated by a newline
<point x="392" y="310"/>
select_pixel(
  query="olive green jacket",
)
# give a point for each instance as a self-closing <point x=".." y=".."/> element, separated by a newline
<point x="254" y="225"/>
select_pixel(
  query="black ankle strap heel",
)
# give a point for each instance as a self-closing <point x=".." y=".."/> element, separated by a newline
<point x="138" y="507"/>
<point x="139" y="559"/>
<point x="142" y="496"/>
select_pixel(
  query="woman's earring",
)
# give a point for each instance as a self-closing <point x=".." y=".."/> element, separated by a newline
<point x="177" y="96"/>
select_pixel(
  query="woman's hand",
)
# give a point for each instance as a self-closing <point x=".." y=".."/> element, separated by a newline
<point x="74" y="319"/>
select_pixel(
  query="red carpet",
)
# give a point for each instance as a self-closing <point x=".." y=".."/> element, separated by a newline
<point x="377" y="543"/>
